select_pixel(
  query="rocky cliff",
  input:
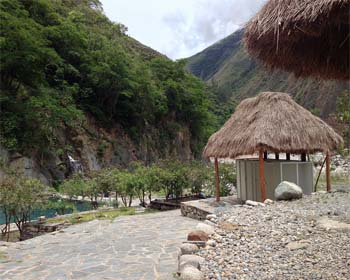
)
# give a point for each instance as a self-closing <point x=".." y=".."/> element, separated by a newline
<point x="93" y="148"/>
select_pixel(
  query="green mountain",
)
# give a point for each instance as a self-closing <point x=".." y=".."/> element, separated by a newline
<point x="74" y="84"/>
<point x="235" y="75"/>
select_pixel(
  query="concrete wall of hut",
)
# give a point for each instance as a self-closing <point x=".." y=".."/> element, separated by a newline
<point x="276" y="171"/>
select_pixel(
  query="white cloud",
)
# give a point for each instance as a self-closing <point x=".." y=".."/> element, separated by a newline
<point x="180" y="28"/>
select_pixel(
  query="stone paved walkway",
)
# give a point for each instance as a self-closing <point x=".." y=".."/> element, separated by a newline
<point x="130" y="247"/>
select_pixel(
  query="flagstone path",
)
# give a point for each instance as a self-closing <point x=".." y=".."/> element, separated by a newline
<point x="131" y="247"/>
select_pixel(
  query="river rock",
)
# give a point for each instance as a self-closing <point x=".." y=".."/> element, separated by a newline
<point x="211" y="216"/>
<point x="302" y="244"/>
<point x="197" y="235"/>
<point x="188" y="249"/>
<point x="190" y="260"/>
<point x="191" y="273"/>
<point x="329" y="224"/>
<point x="288" y="191"/>
<point x="206" y="228"/>
<point x="211" y="243"/>
<point x="268" y="201"/>
<point x="252" y="203"/>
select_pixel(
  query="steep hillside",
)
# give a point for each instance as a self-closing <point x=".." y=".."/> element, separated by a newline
<point x="74" y="85"/>
<point x="234" y="75"/>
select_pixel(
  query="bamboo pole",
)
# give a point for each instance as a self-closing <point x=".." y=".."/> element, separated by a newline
<point x="328" y="171"/>
<point x="262" y="175"/>
<point x="217" y="181"/>
<point x="319" y="174"/>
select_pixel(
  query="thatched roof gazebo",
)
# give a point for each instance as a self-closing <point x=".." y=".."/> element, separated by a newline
<point x="271" y="122"/>
<point x="306" y="37"/>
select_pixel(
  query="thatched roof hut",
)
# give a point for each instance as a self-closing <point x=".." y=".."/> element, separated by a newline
<point x="274" y="122"/>
<point x="306" y="37"/>
<point x="271" y="122"/>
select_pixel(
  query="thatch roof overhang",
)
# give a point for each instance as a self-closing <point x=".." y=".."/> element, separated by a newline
<point x="274" y="122"/>
<point x="306" y="37"/>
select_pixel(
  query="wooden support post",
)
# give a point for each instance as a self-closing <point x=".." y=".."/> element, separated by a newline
<point x="288" y="156"/>
<point x="262" y="175"/>
<point x="277" y="156"/>
<point x="328" y="171"/>
<point x="217" y="181"/>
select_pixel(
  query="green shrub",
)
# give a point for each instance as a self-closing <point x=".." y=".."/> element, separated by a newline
<point x="61" y="206"/>
<point x="228" y="178"/>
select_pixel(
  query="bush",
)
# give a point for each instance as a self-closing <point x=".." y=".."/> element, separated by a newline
<point x="61" y="206"/>
<point x="228" y="178"/>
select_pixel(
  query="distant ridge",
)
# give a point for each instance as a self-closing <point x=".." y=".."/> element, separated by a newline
<point x="235" y="75"/>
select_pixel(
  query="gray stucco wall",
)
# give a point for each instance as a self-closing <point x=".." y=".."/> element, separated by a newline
<point x="275" y="171"/>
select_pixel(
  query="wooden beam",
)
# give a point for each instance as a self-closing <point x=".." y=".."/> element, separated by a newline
<point x="217" y="181"/>
<point x="262" y="175"/>
<point x="328" y="171"/>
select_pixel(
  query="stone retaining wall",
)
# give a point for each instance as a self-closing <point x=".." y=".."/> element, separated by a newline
<point x="193" y="212"/>
<point x="37" y="228"/>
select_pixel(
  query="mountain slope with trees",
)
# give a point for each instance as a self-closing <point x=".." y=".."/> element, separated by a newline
<point x="235" y="75"/>
<point x="73" y="82"/>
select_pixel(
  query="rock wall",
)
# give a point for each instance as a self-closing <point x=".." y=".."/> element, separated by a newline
<point x="193" y="212"/>
<point x="95" y="148"/>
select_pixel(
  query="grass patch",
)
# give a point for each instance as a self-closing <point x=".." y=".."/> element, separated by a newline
<point x="98" y="215"/>
<point x="339" y="179"/>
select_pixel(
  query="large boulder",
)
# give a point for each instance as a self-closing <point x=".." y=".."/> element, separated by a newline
<point x="288" y="191"/>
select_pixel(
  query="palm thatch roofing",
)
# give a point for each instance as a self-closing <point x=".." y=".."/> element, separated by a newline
<point x="306" y="37"/>
<point x="274" y="122"/>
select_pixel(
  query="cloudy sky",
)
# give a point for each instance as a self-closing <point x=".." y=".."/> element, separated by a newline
<point x="180" y="28"/>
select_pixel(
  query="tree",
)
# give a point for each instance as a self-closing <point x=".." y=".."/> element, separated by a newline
<point x="74" y="187"/>
<point x="154" y="180"/>
<point x="126" y="187"/>
<point x="82" y="186"/>
<point x="19" y="196"/>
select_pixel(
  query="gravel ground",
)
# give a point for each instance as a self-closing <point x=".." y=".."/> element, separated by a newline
<point x="283" y="240"/>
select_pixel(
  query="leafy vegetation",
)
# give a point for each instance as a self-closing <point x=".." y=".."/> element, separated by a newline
<point x="343" y="117"/>
<point x="61" y="60"/>
<point x="171" y="178"/>
<point x="19" y="196"/>
<point x="61" y="206"/>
